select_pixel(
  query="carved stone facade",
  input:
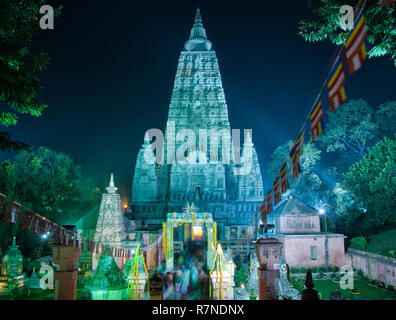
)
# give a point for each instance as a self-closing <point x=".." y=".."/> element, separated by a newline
<point x="198" y="102"/>
<point x="110" y="228"/>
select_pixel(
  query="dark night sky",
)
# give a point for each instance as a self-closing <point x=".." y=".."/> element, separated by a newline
<point x="114" y="62"/>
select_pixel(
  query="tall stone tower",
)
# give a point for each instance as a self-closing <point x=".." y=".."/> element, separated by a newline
<point x="110" y="228"/>
<point x="198" y="102"/>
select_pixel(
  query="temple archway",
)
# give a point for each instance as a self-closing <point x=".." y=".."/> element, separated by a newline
<point x="195" y="221"/>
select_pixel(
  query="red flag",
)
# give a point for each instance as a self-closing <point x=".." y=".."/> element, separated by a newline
<point x="62" y="235"/>
<point x="37" y="223"/>
<point x="11" y="215"/>
<point x="27" y="219"/>
<point x="47" y="226"/>
<point x="54" y="233"/>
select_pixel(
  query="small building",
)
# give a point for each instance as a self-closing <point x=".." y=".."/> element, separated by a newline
<point x="297" y="226"/>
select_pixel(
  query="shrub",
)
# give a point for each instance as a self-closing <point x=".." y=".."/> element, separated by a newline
<point x="359" y="243"/>
<point x="360" y="273"/>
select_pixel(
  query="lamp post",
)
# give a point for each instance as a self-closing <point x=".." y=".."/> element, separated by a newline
<point x="322" y="211"/>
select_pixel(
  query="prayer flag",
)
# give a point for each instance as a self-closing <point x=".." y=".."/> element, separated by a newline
<point x="335" y="86"/>
<point x="283" y="175"/>
<point x="316" y="121"/>
<point x="355" y="45"/>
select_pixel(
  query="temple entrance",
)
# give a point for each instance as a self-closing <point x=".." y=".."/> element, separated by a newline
<point x="199" y="229"/>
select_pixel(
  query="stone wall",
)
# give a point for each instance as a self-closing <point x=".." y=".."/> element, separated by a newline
<point x="374" y="266"/>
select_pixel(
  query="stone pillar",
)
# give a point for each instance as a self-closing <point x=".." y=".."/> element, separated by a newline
<point x="66" y="258"/>
<point x="268" y="252"/>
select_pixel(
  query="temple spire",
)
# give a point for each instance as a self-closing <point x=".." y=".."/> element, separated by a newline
<point x="198" y="18"/>
<point x="198" y="40"/>
<point x="111" y="188"/>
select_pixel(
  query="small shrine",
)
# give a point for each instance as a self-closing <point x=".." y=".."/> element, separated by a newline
<point x="137" y="276"/>
<point x="107" y="282"/>
<point x="12" y="279"/>
<point x="34" y="280"/>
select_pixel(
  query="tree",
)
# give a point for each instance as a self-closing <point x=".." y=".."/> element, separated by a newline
<point x="380" y="22"/>
<point x="349" y="131"/>
<point x="372" y="183"/>
<point x="49" y="183"/>
<point x="19" y="86"/>
<point x="385" y="117"/>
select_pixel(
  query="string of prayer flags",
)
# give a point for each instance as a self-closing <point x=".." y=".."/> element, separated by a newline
<point x="355" y="46"/>
<point x="316" y="120"/>
<point x="335" y="86"/>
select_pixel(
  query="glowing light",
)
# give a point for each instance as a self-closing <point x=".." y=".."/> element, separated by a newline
<point x="197" y="231"/>
<point x="322" y="211"/>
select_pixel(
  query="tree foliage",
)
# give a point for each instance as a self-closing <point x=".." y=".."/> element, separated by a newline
<point x="380" y="22"/>
<point x="49" y="183"/>
<point x="349" y="131"/>
<point x="306" y="186"/>
<point x="19" y="86"/>
<point x="372" y="183"/>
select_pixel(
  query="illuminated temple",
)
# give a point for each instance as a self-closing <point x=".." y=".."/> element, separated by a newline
<point x="198" y="102"/>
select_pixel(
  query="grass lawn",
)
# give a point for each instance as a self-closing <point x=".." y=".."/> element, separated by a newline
<point x="381" y="243"/>
<point x="361" y="286"/>
<point x="37" y="294"/>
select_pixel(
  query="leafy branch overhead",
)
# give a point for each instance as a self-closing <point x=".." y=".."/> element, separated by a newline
<point x="19" y="86"/>
<point x="380" y="22"/>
